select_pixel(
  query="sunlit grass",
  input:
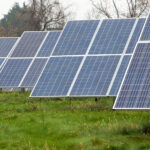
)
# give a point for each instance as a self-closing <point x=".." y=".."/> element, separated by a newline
<point x="56" y="124"/>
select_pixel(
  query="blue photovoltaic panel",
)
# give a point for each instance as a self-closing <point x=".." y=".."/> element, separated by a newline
<point x="34" y="73"/>
<point x="6" y="45"/>
<point x="1" y="61"/>
<point x="135" y="91"/>
<point x="120" y="75"/>
<point x="146" y="33"/>
<point x="49" y="44"/>
<point x="57" y="77"/>
<point x="95" y="76"/>
<point x="13" y="72"/>
<point x="135" y="35"/>
<point x="76" y="37"/>
<point x="29" y="44"/>
<point x="112" y="36"/>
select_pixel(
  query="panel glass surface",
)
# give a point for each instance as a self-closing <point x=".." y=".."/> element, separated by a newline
<point x="76" y="37"/>
<point x="33" y="73"/>
<point x="146" y="33"/>
<point x="57" y="77"/>
<point x="28" y="44"/>
<point x="112" y="36"/>
<point x="95" y="76"/>
<point x="120" y="75"/>
<point x="135" y="35"/>
<point x="1" y="61"/>
<point x="49" y="44"/>
<point x="6" y="45"/>
<point x="13" y="72"/>
<point x="135" y="91"/>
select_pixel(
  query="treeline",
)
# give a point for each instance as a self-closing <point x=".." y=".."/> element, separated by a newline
<point x="38" y="15"/>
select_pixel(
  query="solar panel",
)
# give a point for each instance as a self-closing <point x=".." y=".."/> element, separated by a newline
<point x="29" y="44"/>
<point x="95" y="76"/>
<point x="120" y="75"/>
<point x="49" y="44"/>
<point x="136" y="35"/>
<point x="76" y="37"/>
<point x="6" y="45"/>
<point x="112" y="36"/>
<point x="13" y="72"/>
<point x="57" y="77"/>
<point x="33" y="73"/>
<point x="146" y="33"/>
<point x="1" y="61"/>
<point x="135" y="91"/>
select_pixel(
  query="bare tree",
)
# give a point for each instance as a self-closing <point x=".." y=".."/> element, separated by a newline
<point x="119" y="8"/>
<point x="38" y="15"/>
<point x="48" y="14"/>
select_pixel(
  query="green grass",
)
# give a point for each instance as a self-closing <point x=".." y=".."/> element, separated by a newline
<point x="57" y="124"/>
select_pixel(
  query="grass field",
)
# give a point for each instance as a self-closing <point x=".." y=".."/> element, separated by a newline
<point x="61" y="124"/>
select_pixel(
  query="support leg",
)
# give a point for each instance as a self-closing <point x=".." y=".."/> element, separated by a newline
<point x="22" y="90"/>
<point x="96" y="99"/>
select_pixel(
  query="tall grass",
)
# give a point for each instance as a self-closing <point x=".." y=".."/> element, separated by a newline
<point x="57" y="124"/>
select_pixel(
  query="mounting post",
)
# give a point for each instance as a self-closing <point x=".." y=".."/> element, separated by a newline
<point x="96" y="99"/>
<point x="22" y="90"/>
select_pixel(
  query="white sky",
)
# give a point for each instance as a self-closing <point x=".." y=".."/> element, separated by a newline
<point x="79" y="7"/>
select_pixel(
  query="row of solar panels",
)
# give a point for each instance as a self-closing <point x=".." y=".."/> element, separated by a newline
<point x="134" y="92"/>
<point x="88" y="58"/>
<point x="29" y="45"/>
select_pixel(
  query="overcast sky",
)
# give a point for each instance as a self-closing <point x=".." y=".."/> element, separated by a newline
<point x="79" y="7"/>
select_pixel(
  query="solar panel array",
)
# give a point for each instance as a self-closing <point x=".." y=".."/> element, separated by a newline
<point x="134" y="92"/>
<point x="17" y="67"/>
<point x="88" y="58"/>
<point x="97" y="69"/>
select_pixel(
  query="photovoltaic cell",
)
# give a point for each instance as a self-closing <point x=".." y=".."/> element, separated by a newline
<point x="95" y="76"/>
<point x="120" y="75"/>
<point x="135" y="91"/>
<point x="57" y="77"/>
<point x="28" y="44"/>
<point x="13" y="72"/>
<point x="146" y="33"/>
<point x="112" y="36"/>
<point x="76" y="37"/>
<point x="1" y="61"/>
<point x="6" y="45"/>
<point x="33" y="73"/>
<point x="136" y="35"/>
<point x="49" y="44"/>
